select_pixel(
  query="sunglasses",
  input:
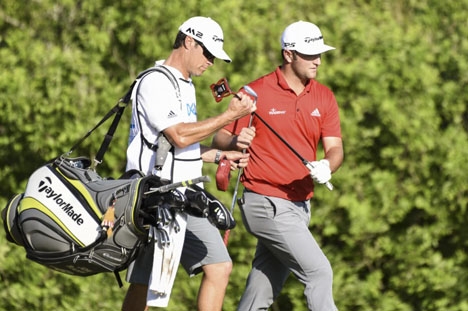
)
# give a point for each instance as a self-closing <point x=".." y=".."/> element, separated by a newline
<point x="210" y="57"/>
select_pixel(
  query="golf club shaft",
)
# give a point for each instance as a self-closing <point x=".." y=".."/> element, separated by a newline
<point x="185" y="183"/>
<point x="251" y="92"/>
<point x="239" y="174"/>
<point x="234" y="198"/>
<point x="328" y="184"/>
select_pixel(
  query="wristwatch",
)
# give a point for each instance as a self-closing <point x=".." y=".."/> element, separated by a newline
<point x="217" y="157"/>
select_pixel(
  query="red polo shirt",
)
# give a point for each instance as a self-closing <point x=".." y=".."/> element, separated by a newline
<point x="302" y="120"/>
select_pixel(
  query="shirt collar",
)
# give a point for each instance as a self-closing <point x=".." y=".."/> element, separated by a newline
<point x="283" y="84"/>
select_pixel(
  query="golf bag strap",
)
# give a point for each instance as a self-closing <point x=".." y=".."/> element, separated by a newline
<point x="154" y="146"/>
<point x="170" y="76"/>
<point x="123" y="102"/>
<point x="118" y="110"/>
<point x="110" y="134"/>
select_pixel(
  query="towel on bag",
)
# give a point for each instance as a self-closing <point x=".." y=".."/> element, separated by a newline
<point x="166" y="258"/>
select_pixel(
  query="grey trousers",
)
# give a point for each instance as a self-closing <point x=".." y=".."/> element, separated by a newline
<point x="285" y="245"/>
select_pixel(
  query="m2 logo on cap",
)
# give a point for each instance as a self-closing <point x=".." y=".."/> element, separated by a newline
<point x="289" y="44"/>
<point x="197" y="34"/>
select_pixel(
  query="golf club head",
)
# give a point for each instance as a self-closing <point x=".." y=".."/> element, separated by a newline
<point x="220" y="89"/>
<point x="250" y="91"/>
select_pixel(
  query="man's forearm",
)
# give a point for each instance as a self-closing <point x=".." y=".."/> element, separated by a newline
<point x="209" y="154"/>
<point x="224" y="140"/>
<point x="185" y="134"/>
<point x="335" y="158"/>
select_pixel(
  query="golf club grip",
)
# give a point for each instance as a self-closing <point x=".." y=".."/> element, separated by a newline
<point x="185" y="183"/>
<point x="329" y="185"/>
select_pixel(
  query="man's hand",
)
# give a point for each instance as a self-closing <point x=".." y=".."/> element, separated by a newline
<point x="240" y="106"/>
<point x="320" y="171"/>
<point x="245" y="138"/>
<point x="237" y="159"/>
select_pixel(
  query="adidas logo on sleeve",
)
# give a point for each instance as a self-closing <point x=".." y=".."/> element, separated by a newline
<point x="171" y="115"/>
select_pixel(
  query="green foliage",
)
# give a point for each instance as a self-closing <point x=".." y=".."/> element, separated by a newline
<point x="394" y="228"/>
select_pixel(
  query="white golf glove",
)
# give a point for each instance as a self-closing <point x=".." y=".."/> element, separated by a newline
<point x="320" y="171"/>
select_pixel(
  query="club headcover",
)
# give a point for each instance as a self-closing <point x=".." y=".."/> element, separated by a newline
<point x="223" y="174"/>
<point x="221" y="89"/>
<point x="218" y="214"/>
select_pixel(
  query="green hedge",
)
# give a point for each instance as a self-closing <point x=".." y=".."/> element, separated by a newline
<point x="394" y="228"/>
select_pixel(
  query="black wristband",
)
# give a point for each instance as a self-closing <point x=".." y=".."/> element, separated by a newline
<point x="217" y="157"/>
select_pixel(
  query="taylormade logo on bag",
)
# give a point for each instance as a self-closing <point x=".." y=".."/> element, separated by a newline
<point x="57" y="198"/>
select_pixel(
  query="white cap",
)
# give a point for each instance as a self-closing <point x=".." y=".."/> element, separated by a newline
<point x="305" y="38"/>
<point x="208" y="32"/>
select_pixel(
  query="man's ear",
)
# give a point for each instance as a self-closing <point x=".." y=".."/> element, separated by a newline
<point x="288" y="55"/>
<point x="188" y="42"/>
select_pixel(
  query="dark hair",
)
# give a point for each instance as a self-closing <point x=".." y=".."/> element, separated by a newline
<point x="294" y="54"/>
<point x="179" y="40"/>
<point x="282" y="54"/>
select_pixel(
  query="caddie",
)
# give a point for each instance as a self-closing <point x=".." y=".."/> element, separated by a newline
<point x="159" y="109"/>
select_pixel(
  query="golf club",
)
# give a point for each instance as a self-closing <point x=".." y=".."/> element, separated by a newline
<point x="308" y="164"/>
<point x="185" y="183"/>
<point x="252" y="93"/>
